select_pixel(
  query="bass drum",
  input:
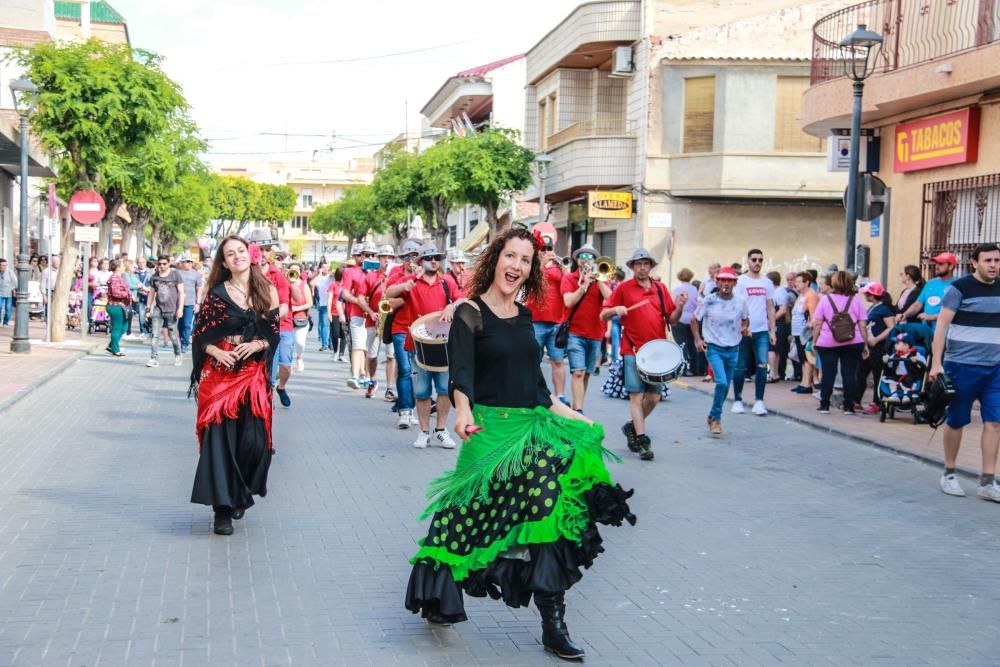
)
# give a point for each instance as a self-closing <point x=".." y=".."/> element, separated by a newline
<point x="430" y="342"/>
<point x="660" y="361"/>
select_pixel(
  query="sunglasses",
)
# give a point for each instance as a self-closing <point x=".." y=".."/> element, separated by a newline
<point x="585" y="256"/>
<point x="435" y="258"/>
<point x="368" y="254"/>
<point x="547" y="248"/>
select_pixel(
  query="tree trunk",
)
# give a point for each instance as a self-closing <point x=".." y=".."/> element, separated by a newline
<point x="59" y="300"/>
<point x="112" y="200"/>
<point x="128" y="233"/>
<point x="491" y="218"/>
<point x="140" y="235"/>
<point x="154" y="237"/>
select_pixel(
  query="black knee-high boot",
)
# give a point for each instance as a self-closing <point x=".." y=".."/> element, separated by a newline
<point x="555" y="634"/>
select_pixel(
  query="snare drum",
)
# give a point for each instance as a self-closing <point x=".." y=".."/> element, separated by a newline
<point x="660" y="361"/>
<point x="430" y="340"/>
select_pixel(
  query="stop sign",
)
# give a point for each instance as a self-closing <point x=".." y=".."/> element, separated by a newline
<point x="86" y="207"/>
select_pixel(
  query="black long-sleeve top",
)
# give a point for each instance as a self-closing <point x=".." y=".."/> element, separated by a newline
<point x="493" y="360"/>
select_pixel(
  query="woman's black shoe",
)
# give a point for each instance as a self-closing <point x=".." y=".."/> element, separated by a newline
<point x="223" y="522"/>
<point x="437" y="619"/>
<point x="555" y="634"/>
<point x="238" y="514"/>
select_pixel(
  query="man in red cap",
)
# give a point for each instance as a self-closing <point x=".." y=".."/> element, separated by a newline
<point x="928" y="305"/>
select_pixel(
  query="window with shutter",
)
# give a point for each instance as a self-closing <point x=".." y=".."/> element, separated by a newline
<point x="699" y="114"/>
<point x="788" y="134"/>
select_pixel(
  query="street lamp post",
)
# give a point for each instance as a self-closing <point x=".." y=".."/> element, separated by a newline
<point x="25" y="97"/>
<point x="860" y="50"/>
<point x="542" y="161"/>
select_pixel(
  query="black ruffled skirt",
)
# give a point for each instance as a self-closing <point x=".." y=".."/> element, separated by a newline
<point x="235" y="458"/>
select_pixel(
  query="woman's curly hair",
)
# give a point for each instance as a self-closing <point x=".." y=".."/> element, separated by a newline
<point x="486" y="265"/>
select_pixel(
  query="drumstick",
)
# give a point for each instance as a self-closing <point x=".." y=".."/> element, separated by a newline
<point x="632" y="307"/>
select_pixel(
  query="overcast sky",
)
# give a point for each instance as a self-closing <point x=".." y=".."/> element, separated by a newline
<point x="257" y="66"/>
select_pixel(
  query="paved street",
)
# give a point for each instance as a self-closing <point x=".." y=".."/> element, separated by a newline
<point x="776" y="544"/>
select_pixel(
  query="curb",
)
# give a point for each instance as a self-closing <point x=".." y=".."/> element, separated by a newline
<point x="864" y="440"/>
<point x="31" y="387"/>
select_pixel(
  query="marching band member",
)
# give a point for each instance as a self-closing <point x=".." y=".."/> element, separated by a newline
<point x="456" y="268"/>
<point x="586" y="330"/>
<point x="353" y="290"/>
<point x="645" y="308"/>
<point x="425" y="293"/>
<point x="284" y="354"/>
<point x="385" y="255"/>
<point x="548" y="313"/>
<point x="399" y="330"/>
<point x="371" y="294"/>
<point x="517" y="518"/>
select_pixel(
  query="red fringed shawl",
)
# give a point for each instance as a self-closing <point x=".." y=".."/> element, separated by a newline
<point x="220" y="391"/>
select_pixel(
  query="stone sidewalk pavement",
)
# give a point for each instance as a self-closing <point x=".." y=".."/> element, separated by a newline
<point x="773" y="545"/>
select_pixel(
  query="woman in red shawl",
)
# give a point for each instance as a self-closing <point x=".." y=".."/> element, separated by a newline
<point x="233" y="344"/>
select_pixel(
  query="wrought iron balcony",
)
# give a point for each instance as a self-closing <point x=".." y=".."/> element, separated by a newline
<point x="915" y="31"/>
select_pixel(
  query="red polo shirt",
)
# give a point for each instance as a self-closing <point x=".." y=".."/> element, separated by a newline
<point x="281" y="283"/>
<point x="645" y="323"/>
<point x="586" y="321"/>
<point x="354" y="280"/>
<point x="426" y="298"/>
<point x="553" y="308"/>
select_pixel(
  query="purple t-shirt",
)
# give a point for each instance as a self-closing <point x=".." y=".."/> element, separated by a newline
<point x="824" y="312"/>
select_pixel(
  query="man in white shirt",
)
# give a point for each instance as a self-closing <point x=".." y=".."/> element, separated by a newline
<point x="758" y="291"/>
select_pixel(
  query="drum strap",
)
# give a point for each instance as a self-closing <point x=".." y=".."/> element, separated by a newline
<point x="447" y="292"/>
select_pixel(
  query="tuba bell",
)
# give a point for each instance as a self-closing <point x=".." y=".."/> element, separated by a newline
<point x="604" y="269"/>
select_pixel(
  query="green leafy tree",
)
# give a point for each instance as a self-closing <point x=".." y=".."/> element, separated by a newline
<point x="440" y="185"/>
<point x="183" y="213"/>
<point x="398" y="188"/>
<point x="97" y="102"/>
<point x="236" y="202"/>
<point x="277" y="203"/>
<point x="354" y="215"/>
<point x="491" y="167"/>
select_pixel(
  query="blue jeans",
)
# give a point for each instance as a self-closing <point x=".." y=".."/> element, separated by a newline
<point x="323" y="326"/>
<point x="723" y="361"/>
<point x="545" y="336"/>
<point x="404" y="374"/>
<point x="616" y="338"/>
<point x="284" y="355"/>
<point x="6" y="308"/>
<point x="753" y="347"/>
<point x="583" y="353"/>
<point x="186" y="324"/>
<point x="426" y="382"/>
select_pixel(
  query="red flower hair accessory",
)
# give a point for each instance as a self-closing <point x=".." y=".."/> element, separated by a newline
<point x="539" y="241"/>
<point x="254" y="252"/>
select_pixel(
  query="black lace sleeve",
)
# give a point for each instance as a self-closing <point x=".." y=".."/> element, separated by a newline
<point x="462" y="351"/>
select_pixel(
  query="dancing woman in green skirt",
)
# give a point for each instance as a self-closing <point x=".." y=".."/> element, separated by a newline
<point x="518" y="516"/>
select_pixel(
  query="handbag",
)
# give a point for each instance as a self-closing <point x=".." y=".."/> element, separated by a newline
<point x="300" y="320"/>
<point x="562" y="333"/>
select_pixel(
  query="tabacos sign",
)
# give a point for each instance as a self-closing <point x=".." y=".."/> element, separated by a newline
<point x="938" y="141"/>
<point x="609" y="204"/>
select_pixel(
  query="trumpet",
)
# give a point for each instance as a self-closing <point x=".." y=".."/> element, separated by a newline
<point x="293" y="274"/>
<point x="566" y="261"/>
<point x="604" y="269"/>
<point x="384" y="308"/>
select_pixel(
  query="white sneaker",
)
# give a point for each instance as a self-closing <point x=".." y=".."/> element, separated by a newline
<point x="950" y="485"/>
<point x="404" y="420"/>
<point x="414" y="419"/>
<point x="759" y="409"/>
<point x="990" y="491"/>
<point x="300" y="365"/>
<point x="177" y="360"/>
<point x="737" y="408"/>
<point x="152" y="363"/>
<point x="423" y="439"/>
<point x="444" y="439"/>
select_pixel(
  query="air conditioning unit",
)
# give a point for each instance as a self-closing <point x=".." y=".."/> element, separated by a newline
<point x="621" y="62"/>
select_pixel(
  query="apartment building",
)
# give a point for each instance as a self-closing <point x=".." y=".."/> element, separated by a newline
<point x="83" y="19"/>
<point x="23" y="23"/>
<point x="315" y="183"/>
<point x="688" y="110"/>
<point x="490" y="94"/>
<point x="932" y="104"/>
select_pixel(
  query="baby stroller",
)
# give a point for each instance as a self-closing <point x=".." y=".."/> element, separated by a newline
<point x="74" y="306"/>
<point x="99" y="318"/>
<point x="902" y="385"/>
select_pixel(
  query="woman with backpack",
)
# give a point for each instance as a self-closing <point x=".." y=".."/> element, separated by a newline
<point x="839" y="338"/>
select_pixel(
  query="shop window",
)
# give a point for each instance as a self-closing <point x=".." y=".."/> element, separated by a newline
<point x="699" y="114"/>
<point x="959" y="215"/>
<point x="788" y="134"/>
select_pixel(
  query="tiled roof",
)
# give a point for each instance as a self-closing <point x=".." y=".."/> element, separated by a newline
<point x="483" y="70"/>
<point x="100" y="12"/>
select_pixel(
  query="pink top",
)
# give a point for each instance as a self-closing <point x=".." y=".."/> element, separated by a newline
<point x="824" y="312"/>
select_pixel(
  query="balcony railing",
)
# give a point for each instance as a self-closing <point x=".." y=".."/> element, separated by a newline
<point x="610" y="127"/>
<point x="915" y="31"/>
